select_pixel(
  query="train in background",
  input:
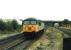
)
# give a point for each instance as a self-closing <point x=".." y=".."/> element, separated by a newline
<point x="32" y="27"/>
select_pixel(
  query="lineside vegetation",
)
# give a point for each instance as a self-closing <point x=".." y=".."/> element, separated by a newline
<point x="9" y="26"/>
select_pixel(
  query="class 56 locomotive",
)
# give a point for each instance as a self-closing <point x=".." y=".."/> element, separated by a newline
<point x="32" y="25"/>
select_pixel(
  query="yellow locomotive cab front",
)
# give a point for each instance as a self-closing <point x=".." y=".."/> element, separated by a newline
<point x="30" y="28"/>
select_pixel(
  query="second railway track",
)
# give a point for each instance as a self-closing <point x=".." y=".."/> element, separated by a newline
<point x="67" y="32"/>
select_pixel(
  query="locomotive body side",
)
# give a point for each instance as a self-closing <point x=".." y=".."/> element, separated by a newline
<point x="41" y="26"/>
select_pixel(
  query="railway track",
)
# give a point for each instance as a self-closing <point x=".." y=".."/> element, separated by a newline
<point x="67" y="32"/>
<point x="12" y="41"/>
<point x="17" y="42"/>
<point x="21" y="46"/>
<point x="11" y="38"/>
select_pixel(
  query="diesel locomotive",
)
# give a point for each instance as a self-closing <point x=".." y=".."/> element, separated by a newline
<point x="32" y="27"/>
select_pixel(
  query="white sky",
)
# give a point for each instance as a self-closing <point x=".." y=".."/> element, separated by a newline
<point x="40" y="9"/>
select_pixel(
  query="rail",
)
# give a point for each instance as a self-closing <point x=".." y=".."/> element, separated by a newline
<point x="11" y="41"/>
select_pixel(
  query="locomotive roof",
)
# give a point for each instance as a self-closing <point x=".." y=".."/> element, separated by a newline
<point x="30" y="19"/>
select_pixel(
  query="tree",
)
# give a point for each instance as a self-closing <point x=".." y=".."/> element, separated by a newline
<point x="66" y="21"/>
<point x="9" y="25"/>
<point x="14" y="24"/>
<point x="2" y="25"/>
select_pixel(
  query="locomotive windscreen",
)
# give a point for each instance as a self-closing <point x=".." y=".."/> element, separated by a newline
<point x="30" y="22"/>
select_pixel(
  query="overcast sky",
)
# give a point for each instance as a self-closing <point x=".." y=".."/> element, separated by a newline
<point x="39" y="9"/>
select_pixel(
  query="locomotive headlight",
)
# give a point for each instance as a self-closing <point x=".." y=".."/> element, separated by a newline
<point x="35" y="28"/>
